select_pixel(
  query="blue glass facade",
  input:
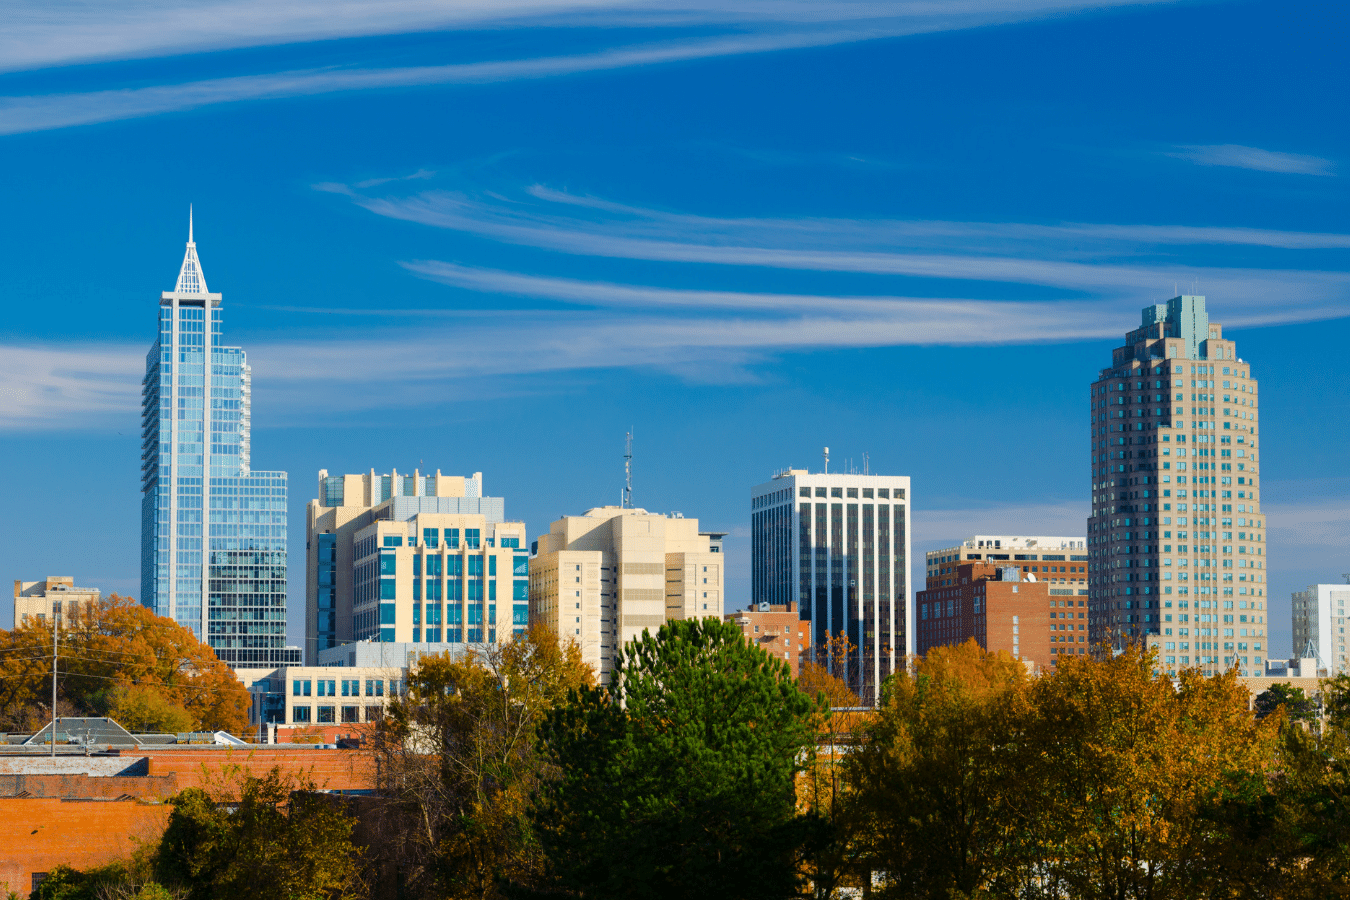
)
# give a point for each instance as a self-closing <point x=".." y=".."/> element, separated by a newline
<point x="213" y="532"/>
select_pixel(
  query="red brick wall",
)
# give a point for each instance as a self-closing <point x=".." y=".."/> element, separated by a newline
<point x="780" y="632"/>
<point x="331" y="769"/>
<point x="38" y="835"/>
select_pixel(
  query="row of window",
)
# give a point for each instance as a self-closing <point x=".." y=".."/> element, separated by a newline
<point x="351" y="687"/>
<point x="327" y="715"/>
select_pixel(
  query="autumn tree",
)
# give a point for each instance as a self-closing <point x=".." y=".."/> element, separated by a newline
<point x="935" y="790"/>
<point x="831" y="858"/>
<point x="1126" y="763"/>
<point x="119" y="659"/>
<point x="457" y="756"/>
<point x="677" y="781"/>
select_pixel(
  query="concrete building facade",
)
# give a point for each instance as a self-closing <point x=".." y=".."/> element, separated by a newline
<point x="213" y="531"/>
<point x="54" y="597"/>
<point x="1176" y="535"/>
<point x="838" y="546"/>
<point x="1001" y="608"/>
<point x="603" y="577"/>
<point x="777" y="630"/>
<point x="1318" y="619"/>
<point x="423" y="559"/>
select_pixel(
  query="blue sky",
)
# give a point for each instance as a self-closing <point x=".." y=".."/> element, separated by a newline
<point x="492" y="237"/>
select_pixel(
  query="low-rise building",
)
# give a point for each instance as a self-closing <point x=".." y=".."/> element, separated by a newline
<point x="777" y="629"/>
<point x="1059" y="561"/>
<point x="54" y="596"/>
<point x="1001" y="608"/>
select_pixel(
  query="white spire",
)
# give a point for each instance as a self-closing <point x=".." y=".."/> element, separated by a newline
<point x="191" y="279"/>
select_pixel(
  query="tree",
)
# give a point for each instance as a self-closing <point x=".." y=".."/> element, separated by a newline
<point x="119" y="658"/>
<point x="935" y="791"/>
<point x="1298" y="706"/>
<point x="678" y="781"/>
<point x="268" y="837"/>
<point x="1126" y="764"/>
<point x="457" y="755"/>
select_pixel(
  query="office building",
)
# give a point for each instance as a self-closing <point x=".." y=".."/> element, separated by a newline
<point x="1176" y="535"/>
<point x="55" y="596"/>
<point x="1318" y="618"/>
<point x="603" y="577"/>
<point x="213" y="531"/>
<point x="838" y="547"/>
<point x="425" y="559"/>
<point x="1001" y="608"/>
<point x="1060" y="561"/>
<point x="777" y="630"/>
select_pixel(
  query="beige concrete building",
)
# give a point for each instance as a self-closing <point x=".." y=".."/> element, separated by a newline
<point x="411" y="558"/>
<point x="55" y="595"/>
<point x="602" y="577"/>
<point x="321" y="695"/>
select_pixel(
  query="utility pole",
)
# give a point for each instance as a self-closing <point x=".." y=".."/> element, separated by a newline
<point x="56" y="630"/>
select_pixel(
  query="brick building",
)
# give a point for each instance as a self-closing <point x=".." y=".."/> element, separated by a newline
<point x="1001" y="608"/>
<point x="777" y="629"/>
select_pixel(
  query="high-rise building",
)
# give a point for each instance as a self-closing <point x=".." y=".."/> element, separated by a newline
<point x="411" y="558"/>
<point x="1176" y="535"/>
<point x="602" y="577"/>
<point x="838" y="547"/>
<point x="213" y="532"/>
<point x="55" y="596"/>
<point x="1318" y="616"/>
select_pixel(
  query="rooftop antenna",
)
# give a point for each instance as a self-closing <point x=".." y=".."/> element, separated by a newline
<point x="865" y="465"/>
<point x="827" y="460"/>
<point x="628" y="470"/>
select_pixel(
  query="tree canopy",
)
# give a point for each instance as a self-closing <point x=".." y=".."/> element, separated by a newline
<point x="119" y="659"/>
<point x="678" y="780"/>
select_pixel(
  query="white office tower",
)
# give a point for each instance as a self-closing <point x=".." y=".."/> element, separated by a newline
<point x="1319" y="622"/>
<point x="838" y="547"/>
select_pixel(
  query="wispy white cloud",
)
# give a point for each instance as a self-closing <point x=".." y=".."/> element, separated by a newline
<point x="1098" y="262"/>
<point x="67" y="387"/>
<point x="58" y="33"/>
<point x="1240" y="157"/>
<point x="41" y="33"/>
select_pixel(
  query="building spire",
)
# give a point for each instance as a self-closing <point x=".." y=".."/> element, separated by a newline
<point x="191" y="279"/>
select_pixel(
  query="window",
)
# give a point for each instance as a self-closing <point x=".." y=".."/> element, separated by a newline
<point x="300" y="688"/>
<point x="431" y="537"/>
<point x="472" y="537"/>
<point x="351" y="714"/>
<point x="300" y="714"/>
<point x="327" y="715"/>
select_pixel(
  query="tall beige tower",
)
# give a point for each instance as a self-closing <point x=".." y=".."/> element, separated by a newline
<point x="602" y="577"/>
<point x="1176" y="539"/>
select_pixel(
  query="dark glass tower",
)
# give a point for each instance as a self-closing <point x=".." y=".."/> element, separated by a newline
<point x="213" y="532"/>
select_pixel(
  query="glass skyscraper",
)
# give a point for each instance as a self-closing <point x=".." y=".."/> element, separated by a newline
<point x="213" y="532"/>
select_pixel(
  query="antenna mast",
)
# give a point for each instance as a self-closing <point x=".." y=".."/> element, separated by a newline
<point x="628" y="470"/>
<point x="827" y="460"/>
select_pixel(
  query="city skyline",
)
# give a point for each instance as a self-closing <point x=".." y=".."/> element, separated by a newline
<point x="490" y="245"/>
